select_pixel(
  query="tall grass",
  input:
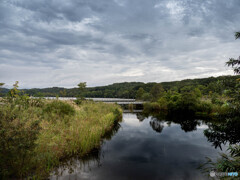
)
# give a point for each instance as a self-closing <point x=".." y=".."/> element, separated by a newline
<point x="226" y="163"/>
<point x="36" y="135"/>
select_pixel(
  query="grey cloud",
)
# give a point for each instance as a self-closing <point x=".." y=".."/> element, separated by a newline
<point x="112" y="41"/>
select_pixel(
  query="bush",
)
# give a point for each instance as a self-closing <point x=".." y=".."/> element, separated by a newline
<point x="162" y="102"/>
<point x="19" y="128"/>
<point x="204" y="107"/>
<point x="78" y="101"/>
<point x="226" y="163"/>
<point x="214" y="97"/>
<point x="146" y="97"/>
<point x="60" y="108"/>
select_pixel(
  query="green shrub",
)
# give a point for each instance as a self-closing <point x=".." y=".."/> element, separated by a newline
<point x="204" y="107"/>
<point x="60" y="108"/>
<point x="214" y="97"/>
<point x="226" y="163"/>
<point x="18" y="131"/>
<point x="162" y="102"/>
<point x="78" y="101"/>
<point x="146" y="97"/>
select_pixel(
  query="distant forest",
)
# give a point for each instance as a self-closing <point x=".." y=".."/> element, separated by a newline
<point x="217" y="85"/>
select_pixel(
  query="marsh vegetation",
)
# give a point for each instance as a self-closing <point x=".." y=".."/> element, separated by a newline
<point x="37" y="134"/>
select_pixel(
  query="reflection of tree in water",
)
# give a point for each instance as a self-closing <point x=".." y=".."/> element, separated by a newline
<point x="156" y="125"/>
<point x="189" y="124"/>
<point x="221" y="133"/>
<point x="140" y="117"/>
<point x="78" y="164"/>
<point x="218" y="133"/>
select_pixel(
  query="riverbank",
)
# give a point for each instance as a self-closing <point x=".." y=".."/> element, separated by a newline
<point x="36" y="135"/>
<point x="188" y="106"/>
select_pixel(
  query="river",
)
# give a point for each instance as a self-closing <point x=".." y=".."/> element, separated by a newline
<point x="146" y="148"/>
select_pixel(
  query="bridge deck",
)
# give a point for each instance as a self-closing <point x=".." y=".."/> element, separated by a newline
<point x="111" y="99"/>
<point x="106" y="100"/>
<point x="122" y="103"/>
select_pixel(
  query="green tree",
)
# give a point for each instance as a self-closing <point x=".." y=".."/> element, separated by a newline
<point x="235" y="63"/>
<point x="14" y="92"/>
<point x="146" y="97"/>
<point x="197" y="92"/>
<point x="1" y="84"/>
<point x="39" y="94"/>
<point x="140" y="93"/>
<point x="63" y="93"/>
<point x="157" y="91"/>
<point x="82" y="89"/>
<point x="188" y="101"/>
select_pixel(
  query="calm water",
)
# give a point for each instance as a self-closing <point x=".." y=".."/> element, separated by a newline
<point x="146" y="148"/>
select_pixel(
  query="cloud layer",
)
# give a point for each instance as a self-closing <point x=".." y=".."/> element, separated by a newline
<point x="61" y="43"/>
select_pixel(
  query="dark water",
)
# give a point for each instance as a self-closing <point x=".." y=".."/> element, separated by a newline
<point x="147" y="148"/>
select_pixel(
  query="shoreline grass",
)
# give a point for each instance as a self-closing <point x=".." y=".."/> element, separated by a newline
<point x="203" y="108"/>
<point x="37" y="134"/>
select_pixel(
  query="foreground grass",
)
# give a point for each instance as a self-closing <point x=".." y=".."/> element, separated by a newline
<point x="227" y="163"/>
<point x="36" y="135"/>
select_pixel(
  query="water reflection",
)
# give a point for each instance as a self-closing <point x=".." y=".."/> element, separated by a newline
<point x="156" y="125"/>
<point x="140" y="117"/>
<point x="223" y="132"/>
<point x="187" y="123"/>
<point x="153" y="147"/>
<point x="219" y="132"/>
<point x="77" y="165"/>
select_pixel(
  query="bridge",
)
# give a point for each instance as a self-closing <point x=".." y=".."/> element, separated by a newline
<point x="119" y="101"/>
<point x="116" y="100"/>
<point x="125" y="103"/>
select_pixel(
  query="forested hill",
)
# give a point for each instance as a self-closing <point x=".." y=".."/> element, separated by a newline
<point x="129" y="89"/>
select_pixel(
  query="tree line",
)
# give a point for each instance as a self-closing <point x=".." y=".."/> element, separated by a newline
<point x="139" y="90"/>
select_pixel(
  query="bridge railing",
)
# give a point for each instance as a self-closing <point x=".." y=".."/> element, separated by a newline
<point x="106" y="100"/>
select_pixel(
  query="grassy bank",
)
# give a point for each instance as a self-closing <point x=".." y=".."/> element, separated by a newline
<point x="36" y="135"/>
<point x="188" y="105"/>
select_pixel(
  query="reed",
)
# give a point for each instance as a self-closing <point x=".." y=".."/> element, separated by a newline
<point x="36" y="135"/>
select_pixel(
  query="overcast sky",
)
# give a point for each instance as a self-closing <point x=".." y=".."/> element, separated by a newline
<point x="46" y="43"/>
